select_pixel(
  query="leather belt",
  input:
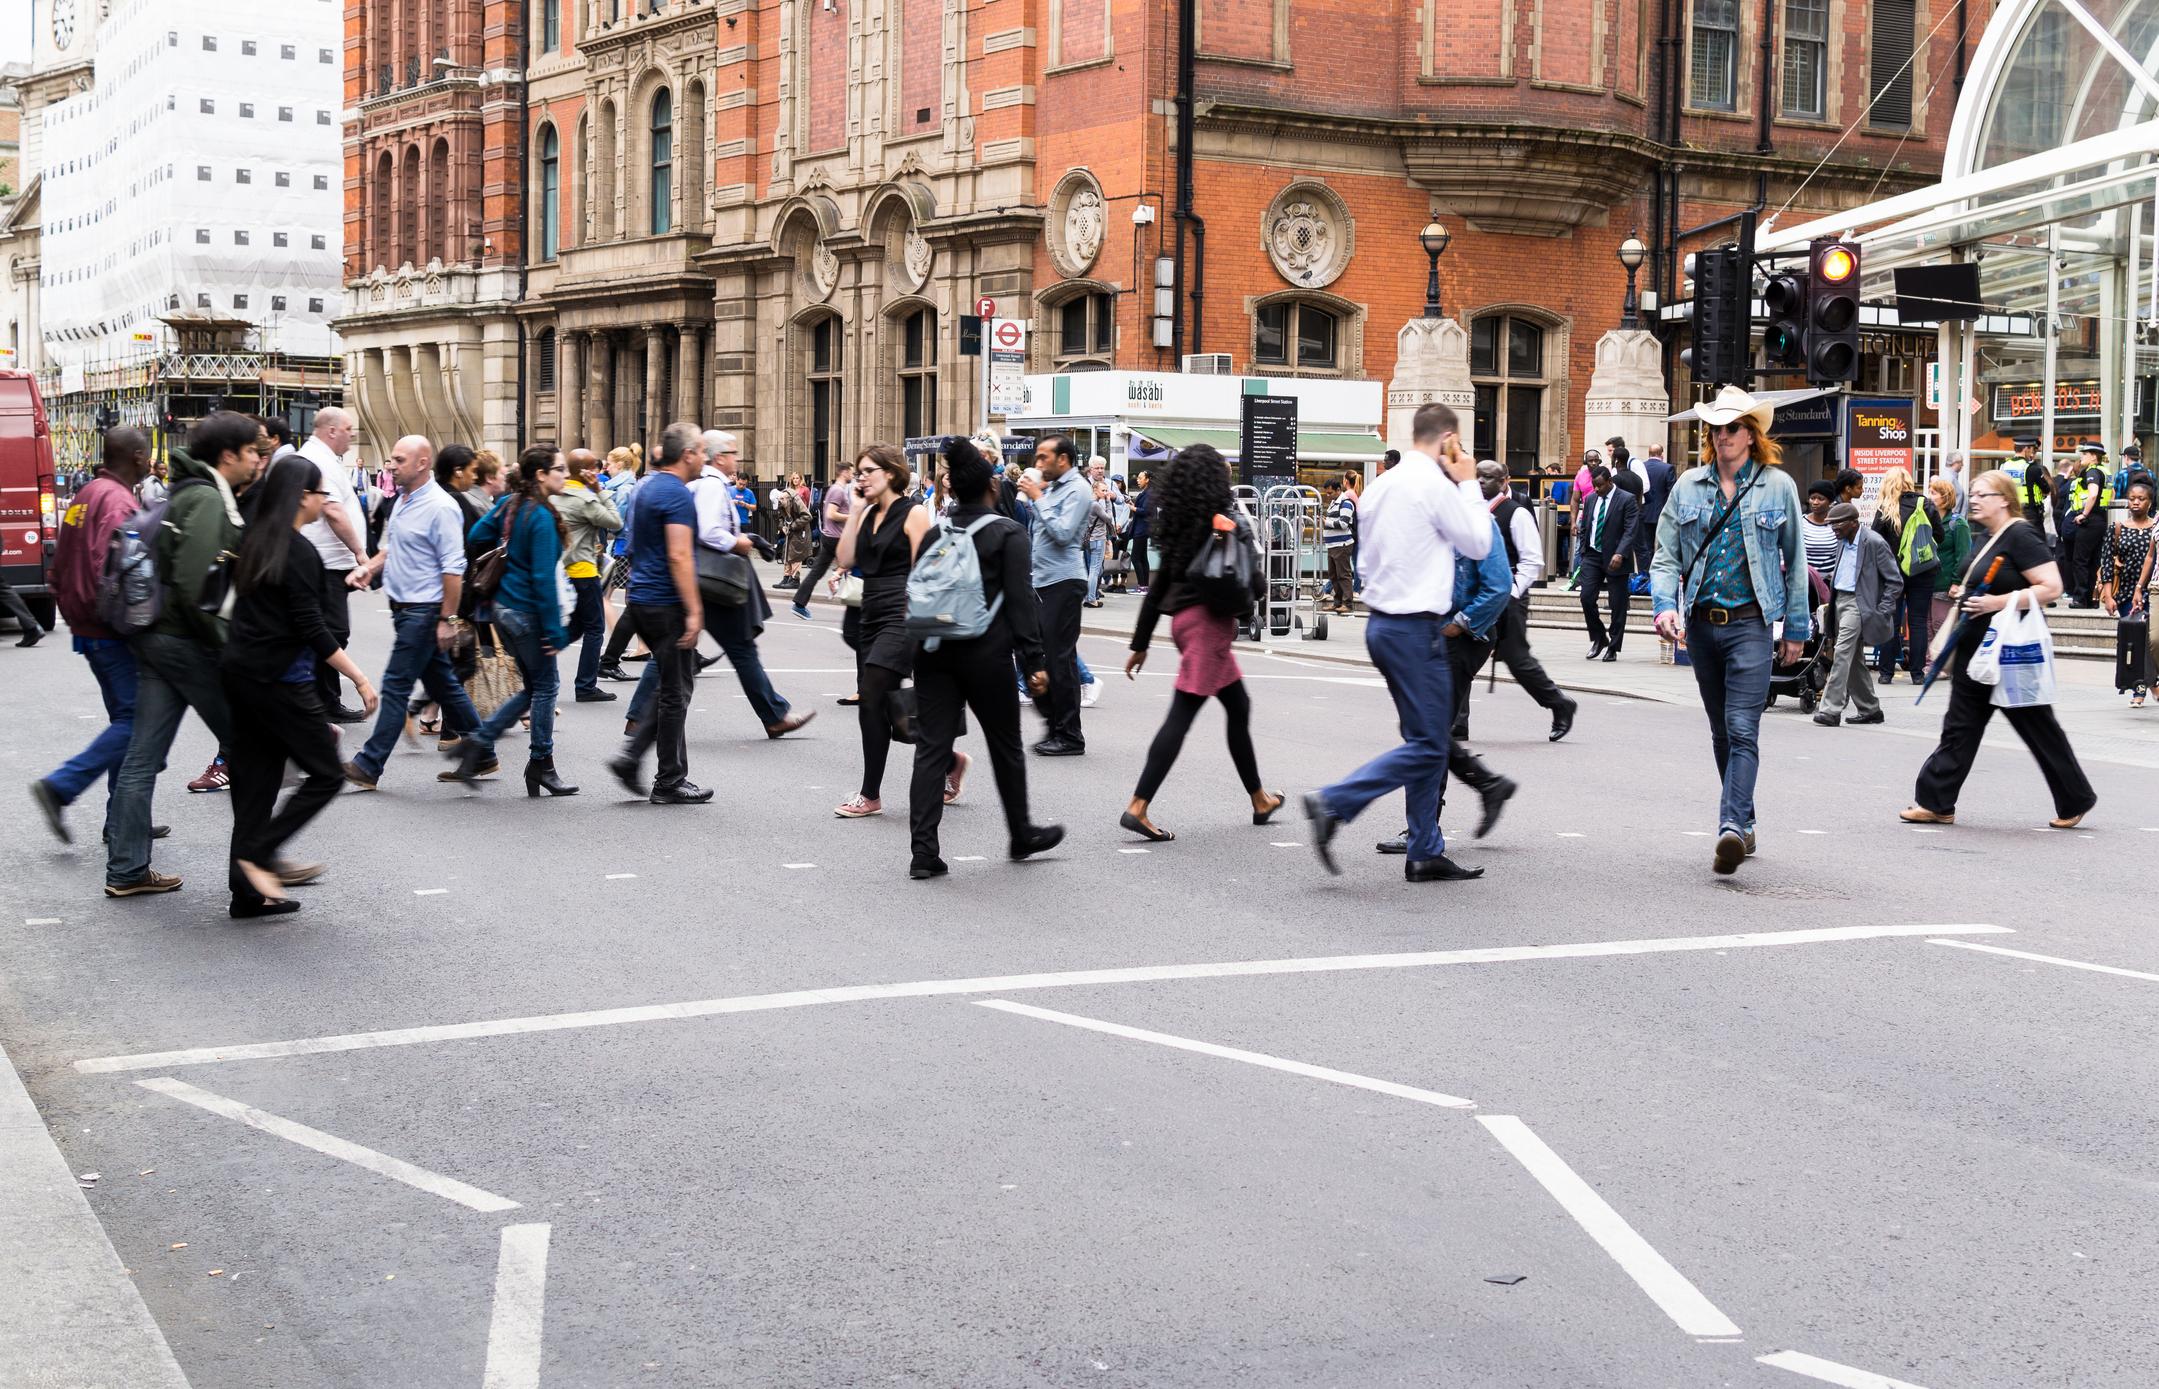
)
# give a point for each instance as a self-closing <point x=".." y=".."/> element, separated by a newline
<point x="1724" y="617"/>
<point x="1413" y="617"/>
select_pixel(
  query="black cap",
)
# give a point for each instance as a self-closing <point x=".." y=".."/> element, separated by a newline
<point x="2132" y="450"/>
<point x="2026" y="441"/>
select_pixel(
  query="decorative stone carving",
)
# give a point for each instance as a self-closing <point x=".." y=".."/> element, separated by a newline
<point x="1431" y="363"/>
<point x="1078" y="219"/>
<point x="824" y="270"/>
<point x="1308" y="234"/>
<point x="919" y="255"/>
<point x="1626" y="395"/>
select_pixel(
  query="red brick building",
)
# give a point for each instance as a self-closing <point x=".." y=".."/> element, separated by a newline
<point x="769" y="214"/>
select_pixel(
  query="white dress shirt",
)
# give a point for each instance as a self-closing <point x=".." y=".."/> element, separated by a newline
<point x="716" y="514"/>
<point x="1528" y="546"/>
<point x="337" y="481"/>
<point x="1411" y="524"/>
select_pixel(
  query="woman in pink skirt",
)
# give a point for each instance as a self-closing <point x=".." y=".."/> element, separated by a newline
<point x="1192" y="501"/>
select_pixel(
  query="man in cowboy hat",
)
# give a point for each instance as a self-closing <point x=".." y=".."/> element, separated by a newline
<point x="1730" y="565"/>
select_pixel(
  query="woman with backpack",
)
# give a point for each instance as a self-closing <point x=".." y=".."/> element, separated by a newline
<point x="955" y="674"/>
<point x="521" y="542"/>
<point x="1192" y="504"/>
<point x="277" y="638"/>
<point x="1913" y="528"/>
<point x="883" y="534"/>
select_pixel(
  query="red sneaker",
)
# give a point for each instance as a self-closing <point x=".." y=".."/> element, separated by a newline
<point x="214" y="777"/>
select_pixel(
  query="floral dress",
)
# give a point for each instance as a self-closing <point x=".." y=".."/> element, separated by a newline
<point x="2121" y="563"/>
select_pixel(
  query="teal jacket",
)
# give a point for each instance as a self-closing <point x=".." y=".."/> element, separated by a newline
<point x="1768" y="522"/>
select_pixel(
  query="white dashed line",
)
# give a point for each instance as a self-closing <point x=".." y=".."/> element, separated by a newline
<point x="1572" y="834"/>
<point x="617" y="877"/>
<point x="1697" y="834"/>
<point x="41" y="921"/>
<point x="1814" y="831"/>
<point x="1926" y="829"/>
<point x="970" y="858"/>
<point x="1131" y="851"/>
<point x="798" y="865"/>
<point x="1830" y="1372"/>
<point x="430" y="891"/>
<point x="1285" y="844"/>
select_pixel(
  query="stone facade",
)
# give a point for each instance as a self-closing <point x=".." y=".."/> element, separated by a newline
<point x="434" y="234"/>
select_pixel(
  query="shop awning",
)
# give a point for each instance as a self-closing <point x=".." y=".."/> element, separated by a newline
<point x="1313" y="445"/>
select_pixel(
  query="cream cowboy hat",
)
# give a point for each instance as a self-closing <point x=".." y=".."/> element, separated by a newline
<point x="1732" y="403"/>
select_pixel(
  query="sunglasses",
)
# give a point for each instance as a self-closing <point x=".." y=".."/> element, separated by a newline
<point x="1733" y="428"/>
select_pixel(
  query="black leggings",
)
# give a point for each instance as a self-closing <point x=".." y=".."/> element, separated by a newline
<point x="1169" y="739"/>
<point x="876" y="685"/>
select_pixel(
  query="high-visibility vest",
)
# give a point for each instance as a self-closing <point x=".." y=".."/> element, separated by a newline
<point x="2081" y="493"/>
<point x="2030" y="484"/>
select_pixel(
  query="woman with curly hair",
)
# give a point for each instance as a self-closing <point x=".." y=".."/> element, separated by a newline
<point x="1192" y="502"/>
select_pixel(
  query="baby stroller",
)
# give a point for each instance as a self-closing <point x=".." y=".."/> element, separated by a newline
<point x="1806" y="678"/>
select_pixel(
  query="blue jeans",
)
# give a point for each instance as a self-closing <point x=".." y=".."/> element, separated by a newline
<point x="1411" y="652"/>
<point x="1731" y="666"/>
<point x="521" y="634"/>
<point x="114" y="667"/>
<point x="1094" y="569"/>
<point x="414" y="659"/>
<point x="172" y="676"/>
<point x="589" y="621"/>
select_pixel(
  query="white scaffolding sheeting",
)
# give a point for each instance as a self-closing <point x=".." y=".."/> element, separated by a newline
<point x="201" y="175"/>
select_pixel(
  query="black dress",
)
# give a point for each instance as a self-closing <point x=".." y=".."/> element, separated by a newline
<point x="885" y="557"/>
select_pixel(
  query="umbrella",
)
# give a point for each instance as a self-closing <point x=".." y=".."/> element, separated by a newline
<point x="1941" y="660"/>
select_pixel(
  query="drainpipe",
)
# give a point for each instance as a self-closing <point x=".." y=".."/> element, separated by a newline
<point x="521" y="44"/>
<point x="1187" y="36"/>
<point x="1956" y="81"/>
<point x="1762" y="143"/>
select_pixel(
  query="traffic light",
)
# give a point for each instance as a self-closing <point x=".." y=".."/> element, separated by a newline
<point x="1722" y="316"/>
<point x="1832" y="334"/>
<point x="1784" y="336"/>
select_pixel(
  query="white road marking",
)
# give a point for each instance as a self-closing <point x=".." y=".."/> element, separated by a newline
<point x="1252" y="1058"/>
<point x="430" y="891"/>
<point x="1923" y="829"/>
<point x="514" y="1331"/>
<point x="798" y="865"/>
<point x="382" y="1164"/>
<point x="969" y="858"/>
<point x="2052" y="960"/>
<point x="1830" y="1372"/>
<point x="1698" y="834"/>
<point x="41" y="921"/>
<point x="1667" y="1286"/>
<point x="616" y="877"/>
<point x="1284" y="844"/>
<point x="997" y="984"/>
<point x="1572" y="834"/>
<point x="1814" y="831"/>
<point x="1131" y="851"/>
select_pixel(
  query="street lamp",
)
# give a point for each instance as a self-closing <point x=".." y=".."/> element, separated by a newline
<point x="1434" y="239"/>
<point x="1631" y="254"/>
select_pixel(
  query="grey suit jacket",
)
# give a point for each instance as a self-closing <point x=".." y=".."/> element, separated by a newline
<point x="1881" y="584"/>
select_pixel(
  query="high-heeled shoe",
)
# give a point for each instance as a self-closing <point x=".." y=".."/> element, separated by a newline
<point x="540" y="776"/>
<point x="1261" y="817"/>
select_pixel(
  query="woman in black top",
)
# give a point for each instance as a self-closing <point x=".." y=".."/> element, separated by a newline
<point x="883" y="532"/>
<point x="278" y="636"/>
<point x="976" y="673"/>
<point x="2026" y="563"/>
<point x="1192" y="503"/>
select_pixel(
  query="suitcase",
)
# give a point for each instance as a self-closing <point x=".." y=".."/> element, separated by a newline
<point x="2133" y="653"/>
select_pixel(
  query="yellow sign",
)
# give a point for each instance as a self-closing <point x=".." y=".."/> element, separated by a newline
<point x="145" y="337"/>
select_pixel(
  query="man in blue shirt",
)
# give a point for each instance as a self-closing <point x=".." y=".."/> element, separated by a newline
<point x="667" y="614"/>
<point x="422" y="563"/>
<point x="1063" y="505"/>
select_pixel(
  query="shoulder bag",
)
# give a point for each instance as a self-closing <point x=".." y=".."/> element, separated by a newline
<point x="724" y="579"/>
<point x="487" y="571"/>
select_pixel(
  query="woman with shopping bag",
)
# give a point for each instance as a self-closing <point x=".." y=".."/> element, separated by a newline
<point x="2003" y="659"/>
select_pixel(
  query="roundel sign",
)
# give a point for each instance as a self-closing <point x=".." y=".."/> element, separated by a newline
<point x="1008" y="334"/>
<point x="985" y="307"/>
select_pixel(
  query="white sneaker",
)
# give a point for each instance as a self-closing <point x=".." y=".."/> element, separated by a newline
<point x="1089" y="694"/>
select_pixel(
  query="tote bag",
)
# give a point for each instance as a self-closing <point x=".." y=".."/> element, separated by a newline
<point x="2025" y="656"/>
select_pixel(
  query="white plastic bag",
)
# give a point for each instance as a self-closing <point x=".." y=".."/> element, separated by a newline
<point x="1985" y="665"/>
<point x="2025" y="657"/>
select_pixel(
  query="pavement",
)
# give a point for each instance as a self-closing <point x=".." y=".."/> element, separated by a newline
<point x="590" y="1092"/>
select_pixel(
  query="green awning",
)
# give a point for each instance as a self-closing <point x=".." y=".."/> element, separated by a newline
<point x="1313" y="445"/>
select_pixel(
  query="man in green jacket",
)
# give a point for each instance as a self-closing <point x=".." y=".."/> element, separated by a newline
<point x="176" y="659"/>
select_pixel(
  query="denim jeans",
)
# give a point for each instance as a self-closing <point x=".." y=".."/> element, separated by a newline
<point x="730" y="627"/>
<point x="172" y="676"/>
<point x="114" y="667"/>
<point x="1094" y="569"/>
<point x="589" y="621"/>
<point x="414" y="659"/>
<point x="1411" y="652"/>
<point x="522" y="635"/>
<point x="1731" y="666"/>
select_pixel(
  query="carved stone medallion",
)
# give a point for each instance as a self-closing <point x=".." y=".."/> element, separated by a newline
<point x="1078" y="219"/>
<point x="1307" y="233"/>
<point x="919" y="255"/>
<point x="824" y="270"/>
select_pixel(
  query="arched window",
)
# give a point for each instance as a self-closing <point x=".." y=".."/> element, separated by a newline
<point x="918" y="374"/>
<point x="441" y="188"/>
<point x="821" y="369"/>
<point x="1298" y="336"/>
<point x="1086" y="327"/>
<point x="1506" y="365"/>
<point x="550" y="193"/>
<point x="662" y="195"/>
<point x="408" y="212"/>
<point x="383" y="251"/>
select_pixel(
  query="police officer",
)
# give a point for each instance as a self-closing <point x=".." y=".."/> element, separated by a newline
<point x="2033" y="484"/>
<point x="2085" y="531"/>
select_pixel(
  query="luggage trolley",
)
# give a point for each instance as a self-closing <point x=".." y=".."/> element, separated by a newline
<point x="1293" y="549"/>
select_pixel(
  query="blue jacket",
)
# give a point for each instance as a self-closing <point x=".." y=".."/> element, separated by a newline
<point x="620" y="488"/>
<point x="1482" y="588"/>
<point x="1768" y="523"/>
<point x="1060" y="522"/>
<point x="528" y="580"/>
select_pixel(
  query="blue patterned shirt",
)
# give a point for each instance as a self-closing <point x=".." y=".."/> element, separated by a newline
<point x="1725" y="582"/>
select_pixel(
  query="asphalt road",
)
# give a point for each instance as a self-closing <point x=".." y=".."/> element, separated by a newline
<point x="755" y="1109"/>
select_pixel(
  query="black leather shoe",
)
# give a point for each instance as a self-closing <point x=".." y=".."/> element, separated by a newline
<point x="340" y="713"/>
<point x="1438" y="870"/>
<point x="628" y="771"/>
<point x="1829" y="720"/>
<point x="1731" y="851"/>
<point x="1397" y="845"/>
<point x="1495" y="797"/>
<point x="1325" y="826"/>
<point x="1059" y="747"/>
<point x="705" y="663"/>
<point x="1596" y="649"/>
<point x="681" y="793"/>
<point x="596" y="696"/>
<point x="615" y="672"/>
<point x="1876" y="717"/>
<point x="34" y="635"/>
<point x="935" y="868"/>
<point x="1563" y="720"/>
<point x="1039" y="840"/>
<point x="1610" y="655"/>
<point x="244" y="908"/>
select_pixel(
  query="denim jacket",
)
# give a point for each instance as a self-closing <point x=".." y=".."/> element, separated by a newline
<point x="1768" y="521"/>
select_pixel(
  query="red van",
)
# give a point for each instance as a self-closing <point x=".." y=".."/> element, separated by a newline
<point x="27" y="519"/>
